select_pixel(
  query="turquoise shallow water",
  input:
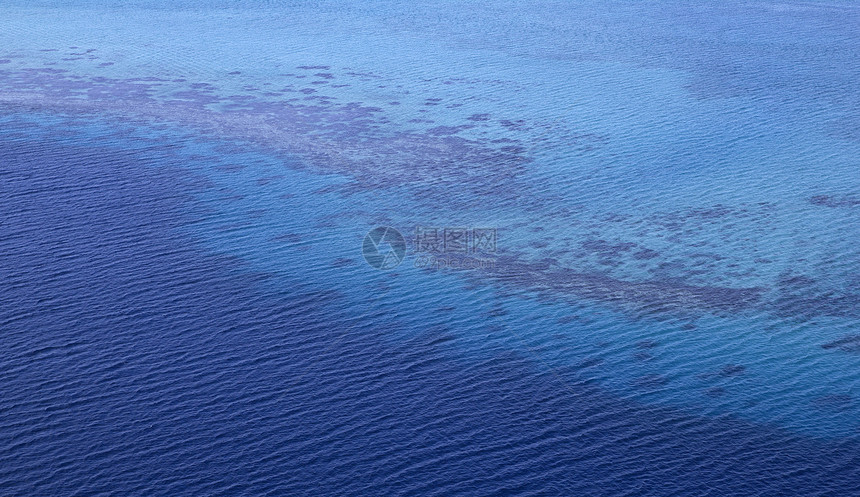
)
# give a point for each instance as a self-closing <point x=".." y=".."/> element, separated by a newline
<point x="674" y="189"/>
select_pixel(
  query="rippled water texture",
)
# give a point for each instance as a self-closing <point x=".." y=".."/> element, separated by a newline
<point x="672" y="306"/>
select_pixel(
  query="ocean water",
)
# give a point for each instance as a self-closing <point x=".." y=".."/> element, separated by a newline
<point x="671" y="306"/>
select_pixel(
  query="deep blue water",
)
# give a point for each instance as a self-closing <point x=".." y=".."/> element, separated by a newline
<point x="672" y="308"/>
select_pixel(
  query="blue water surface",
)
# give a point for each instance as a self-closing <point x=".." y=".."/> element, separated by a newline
<point x="671" y="308"/>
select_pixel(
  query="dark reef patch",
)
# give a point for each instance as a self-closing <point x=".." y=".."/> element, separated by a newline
<point x="605" y="248"/>
<point x="715" y="392"/>
<point x="447" y="130"/>
<point x="268" y="179"/>
<point x="732" y="370"/>
<point x="727" y="371"/>
<point x="642" y="356"/>
<point x="650" y="295"/>
<point x="645" y="254"/>
<point x="847" y="344"/>
<point x="650" y="381"/>
<point x="835" y="200"/>
<point x="496" y="312"/>
<point x="590" y="362"/>
<point x="515" y="125"/>
<point x="833" y="402"/>
<point x="288" y="237"/>
<point x="343" y="262"/>
<point x="801" y="296"/>
<point x="341" y="138"/>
